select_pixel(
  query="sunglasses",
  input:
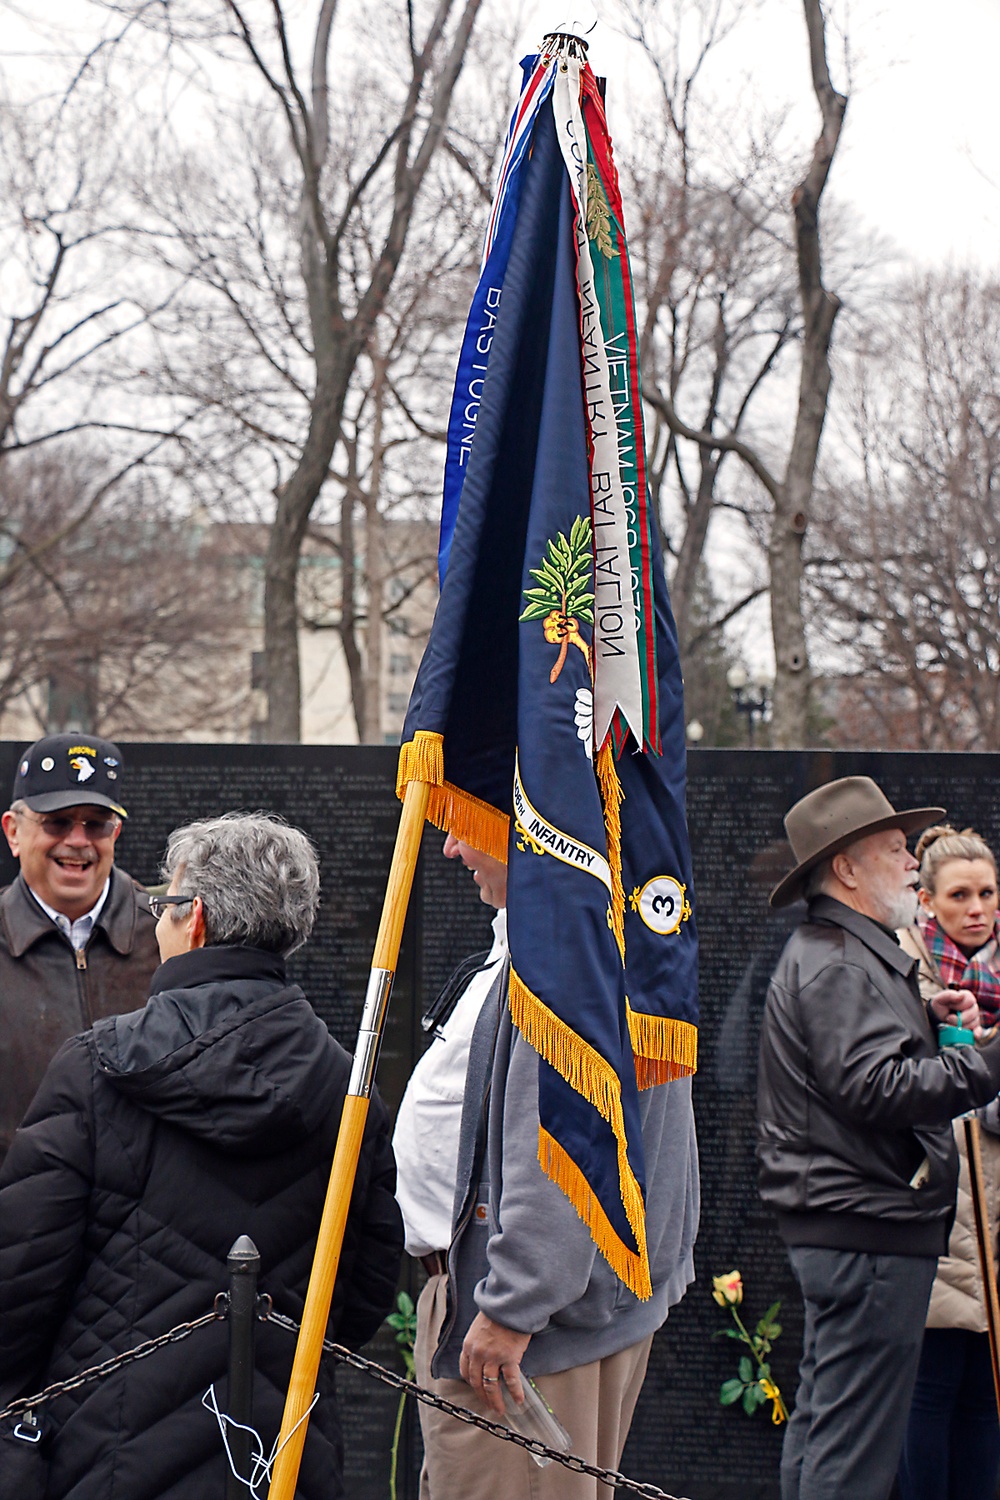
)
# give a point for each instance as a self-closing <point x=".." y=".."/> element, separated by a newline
<point x="61" y="825"/>
<point x="158" y="904"/>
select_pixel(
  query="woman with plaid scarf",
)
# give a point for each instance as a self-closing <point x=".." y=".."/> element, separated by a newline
<point x="952" y="1448"/>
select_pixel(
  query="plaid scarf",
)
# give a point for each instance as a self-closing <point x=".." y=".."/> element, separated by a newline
<point x="980" y="973"/>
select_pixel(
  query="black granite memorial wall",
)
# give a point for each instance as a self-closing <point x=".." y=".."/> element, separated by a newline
<point x="682" y="1440"/>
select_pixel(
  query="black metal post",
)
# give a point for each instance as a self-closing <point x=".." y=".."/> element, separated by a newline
<point x="243" y="1262"/>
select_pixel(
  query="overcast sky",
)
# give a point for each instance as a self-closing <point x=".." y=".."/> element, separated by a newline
<point x="920" y="152"/>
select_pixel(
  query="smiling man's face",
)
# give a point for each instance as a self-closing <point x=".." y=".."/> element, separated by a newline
<point x="68" y="871"/>
<point x="489" y="874"/>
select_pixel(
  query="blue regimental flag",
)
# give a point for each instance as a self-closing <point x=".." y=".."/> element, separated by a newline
<point x="547" y="712"/>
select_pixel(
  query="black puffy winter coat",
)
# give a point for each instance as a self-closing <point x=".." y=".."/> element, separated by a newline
<point x="155" y="1140"/>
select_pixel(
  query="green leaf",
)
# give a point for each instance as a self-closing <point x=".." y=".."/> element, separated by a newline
<point x="746" y="1369"/>
<point x="730" y="1392"/>
<point x="764" y="1372"/>
<point x="771" y="1313"/>
<point x="404" y="1302"/>
<point x="753" y="1397"/>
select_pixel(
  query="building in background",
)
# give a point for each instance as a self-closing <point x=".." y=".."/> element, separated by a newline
<point x="159" y="635"/>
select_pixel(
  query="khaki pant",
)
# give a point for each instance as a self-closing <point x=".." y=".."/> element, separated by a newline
<point x="594" y="1403"/>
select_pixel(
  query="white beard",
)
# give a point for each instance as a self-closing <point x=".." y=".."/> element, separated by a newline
<point x="898" y="908"/>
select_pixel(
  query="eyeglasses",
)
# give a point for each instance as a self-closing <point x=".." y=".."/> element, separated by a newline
<point x="159" y="904"/>
<point x="61" y="825"/>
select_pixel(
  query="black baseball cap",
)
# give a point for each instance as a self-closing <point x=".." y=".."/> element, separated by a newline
<point x="70" y="770"/>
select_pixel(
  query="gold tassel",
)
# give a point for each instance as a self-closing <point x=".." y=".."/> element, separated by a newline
<point x="612" y="797"/>
<point x="453" y="811"/>
<point x="664" y="1048"/>
<point x="630" y="1267"/>
<point x="593" y="1077"/>
<point x="421" y="759"/>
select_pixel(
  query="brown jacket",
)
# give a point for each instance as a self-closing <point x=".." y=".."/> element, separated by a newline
<point x="957" y="1294"/>
<point x="49" y="993"/>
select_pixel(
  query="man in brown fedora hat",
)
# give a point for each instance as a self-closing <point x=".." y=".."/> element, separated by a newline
<point x="857" y="1158"/>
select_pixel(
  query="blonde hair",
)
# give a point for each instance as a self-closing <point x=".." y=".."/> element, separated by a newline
<point x="937" y="845"/>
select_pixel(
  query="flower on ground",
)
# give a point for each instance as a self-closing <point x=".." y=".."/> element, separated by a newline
<point x="752" y="1386"/>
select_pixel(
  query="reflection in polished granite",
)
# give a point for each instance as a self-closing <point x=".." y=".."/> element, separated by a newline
<point x="682" y="1440"/>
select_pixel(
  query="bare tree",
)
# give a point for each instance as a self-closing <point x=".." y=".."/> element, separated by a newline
<point x="342" y="317"/>
<point x="133" y="621"/>
<point x="757" y="332"/>
<point x="74" y="307"/>
<point x="793" y="496"/>
<point x="715" y="279"/>
<point x="320" y="249"/>
<point x="904" y="571"/>
<point x="238" y="342"/>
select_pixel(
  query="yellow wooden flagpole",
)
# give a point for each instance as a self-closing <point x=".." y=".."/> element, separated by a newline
<point x="309" y="1345"/>
<point x="984" y="1242"/>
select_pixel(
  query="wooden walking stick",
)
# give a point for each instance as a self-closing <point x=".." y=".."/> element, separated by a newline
<point x="309" y="1345"/>
<point x="984" y="1241"/>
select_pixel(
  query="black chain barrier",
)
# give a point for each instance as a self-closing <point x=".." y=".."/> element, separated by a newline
<point x="610" y="1477"/>
<point x="117" y="1362"/>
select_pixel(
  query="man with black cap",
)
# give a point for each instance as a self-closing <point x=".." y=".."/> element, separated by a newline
<point x="77" y="939"/>
<point x="857" y="1156"/>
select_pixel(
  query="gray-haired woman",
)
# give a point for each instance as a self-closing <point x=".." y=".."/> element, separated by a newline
<point x="154" y="1141"/>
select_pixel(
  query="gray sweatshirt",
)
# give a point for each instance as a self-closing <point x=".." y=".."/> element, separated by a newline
<point x="520" y="1252"/>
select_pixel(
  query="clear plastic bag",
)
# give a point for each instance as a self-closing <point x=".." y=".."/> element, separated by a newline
<point x="535" y="1419"/>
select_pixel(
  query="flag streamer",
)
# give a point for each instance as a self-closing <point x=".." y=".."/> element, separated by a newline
<point x="547" y="716"/>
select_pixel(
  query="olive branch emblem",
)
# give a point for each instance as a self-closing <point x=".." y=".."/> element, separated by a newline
<point x="599" y="214"/>
<point x="562" y="598"/>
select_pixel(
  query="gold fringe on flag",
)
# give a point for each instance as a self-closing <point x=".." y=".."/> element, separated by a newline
<point x="474" y="822"/>
<point x="612" y="797"/>
<point x="664" y="1048"/>
<point x="469" y="818"/>
<point x="630" y="1268"/>
<point x="593" y="1077"/>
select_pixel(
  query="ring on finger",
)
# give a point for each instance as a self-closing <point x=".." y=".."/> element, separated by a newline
<point x="491" y="1379"/>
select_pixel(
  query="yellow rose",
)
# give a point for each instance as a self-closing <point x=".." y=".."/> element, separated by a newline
<point x="728" y="1290"/>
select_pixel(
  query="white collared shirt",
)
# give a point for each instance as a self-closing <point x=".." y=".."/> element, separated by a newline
<point x="78" y="931"/>
<point x="430" y="1116"/>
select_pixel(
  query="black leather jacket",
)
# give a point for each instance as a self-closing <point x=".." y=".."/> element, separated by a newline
<point x="854" y="1100"/>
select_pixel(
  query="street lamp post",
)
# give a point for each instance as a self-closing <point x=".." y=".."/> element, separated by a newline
<point x="751" y="696"/>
